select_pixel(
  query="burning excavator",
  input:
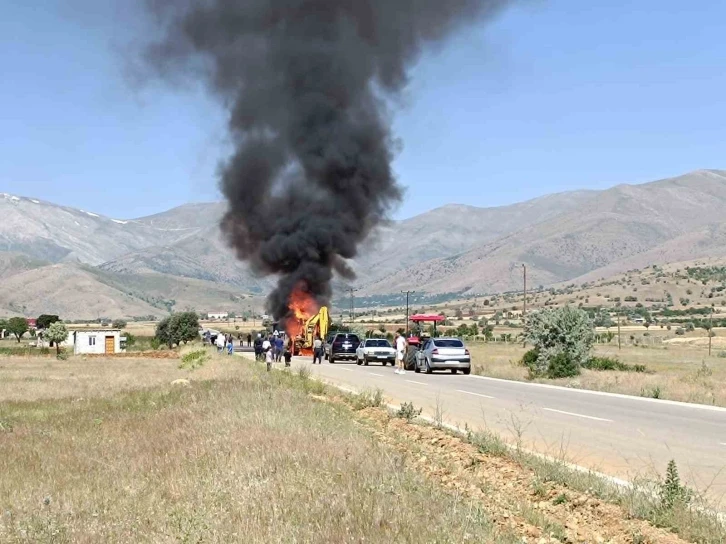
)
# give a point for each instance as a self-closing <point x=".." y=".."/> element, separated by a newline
<point x="309" y="322"/>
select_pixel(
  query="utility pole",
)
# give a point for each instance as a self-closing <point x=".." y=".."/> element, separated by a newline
<point x="408" y="294"/>
<point x="524" y="305"/>
<point x="352" y="305"/>
<point x="710" y="331"/>
<point x="618" y="329"/>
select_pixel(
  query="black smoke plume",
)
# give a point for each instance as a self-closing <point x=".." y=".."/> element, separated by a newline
<point x="305" y="83"/>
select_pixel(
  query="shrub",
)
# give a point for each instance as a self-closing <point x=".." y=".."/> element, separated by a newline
<point x="562" y="331"/>
<point x="562" y="365"/>
<point x="672" y="493"/>
<point x="529" y="360"/>
<point x="194" y="359"/>
<point x="608" y="363"/>
<point x="119" y="324"/>
<point x="408" y="411"/>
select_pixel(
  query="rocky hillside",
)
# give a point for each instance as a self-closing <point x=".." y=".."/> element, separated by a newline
<point x="178" y="257"/>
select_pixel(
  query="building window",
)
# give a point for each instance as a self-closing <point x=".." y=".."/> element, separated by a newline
<point x="91" y="340"/>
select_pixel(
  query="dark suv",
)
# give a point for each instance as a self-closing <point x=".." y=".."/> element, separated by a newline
<point x="343" y="347"/>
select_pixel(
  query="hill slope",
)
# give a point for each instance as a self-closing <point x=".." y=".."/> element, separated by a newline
<point x="179" y="257"/>
<point x="613" y="226"/>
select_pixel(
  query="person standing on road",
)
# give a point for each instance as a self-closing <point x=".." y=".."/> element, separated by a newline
<point x="400" y="353"/>
<point x="249" y="339"/>
<point x="318" y="350"/>
<point x="258" y="348"/>
<point x="230" y="345"/>
<point x="279" y="348"/>
<point x="220" y="342"/>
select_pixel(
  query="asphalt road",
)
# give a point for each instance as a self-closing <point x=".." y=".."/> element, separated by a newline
<point x="618" y="435"/>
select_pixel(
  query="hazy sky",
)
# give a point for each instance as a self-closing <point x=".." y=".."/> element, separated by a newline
<point x="554" y="95"/>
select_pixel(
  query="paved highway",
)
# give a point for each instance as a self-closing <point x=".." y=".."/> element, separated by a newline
<point x="619" y="435"/>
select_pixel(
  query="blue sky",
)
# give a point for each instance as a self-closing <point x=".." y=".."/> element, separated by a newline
<point x="554" y="95"/>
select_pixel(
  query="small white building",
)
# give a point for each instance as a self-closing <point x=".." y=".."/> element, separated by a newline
<point x="96" y="341"/>
<point x="218" y="316"/>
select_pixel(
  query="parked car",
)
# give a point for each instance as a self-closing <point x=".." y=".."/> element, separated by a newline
<point x="376" y="349"/>
<point x="343" y="347"/>
<point x="443" y="354"/>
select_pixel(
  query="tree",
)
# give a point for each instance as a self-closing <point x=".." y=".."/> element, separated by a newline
<point x="178" y="328"/>
<point x="119" y="324"/>
<point x="46" y="320"/>
<point x="57" y="333"/>
<point x="17" y="326"/>
<point x="562" y="338"/>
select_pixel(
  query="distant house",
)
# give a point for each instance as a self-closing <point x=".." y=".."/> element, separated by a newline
<point x="218" y="316"/>
<point x="96" y="341"/>
<point x="639" y="320"/>
<point x="32" y="323"/>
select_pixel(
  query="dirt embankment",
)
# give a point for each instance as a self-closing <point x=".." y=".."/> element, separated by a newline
<point x="518" y="500"/>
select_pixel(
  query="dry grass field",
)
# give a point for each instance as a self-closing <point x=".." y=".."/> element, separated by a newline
<point x="680" y="371"/>
<point x="109" y="451"/>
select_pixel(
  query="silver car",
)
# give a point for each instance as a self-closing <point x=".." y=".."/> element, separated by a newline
<point x="443" y="354"/>
<point x="376" y="349"/>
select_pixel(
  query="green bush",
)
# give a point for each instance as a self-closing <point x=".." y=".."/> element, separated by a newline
<point x="194" y="359"/>
<point x="608" y="363"/>
<point x="565" y="334"/>
<point x="529" y="361"/>
<point x="562" y="365"/>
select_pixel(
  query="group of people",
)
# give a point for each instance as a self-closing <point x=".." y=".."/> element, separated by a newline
<point x="272" y="349"/>
<point x="224" y="342"/>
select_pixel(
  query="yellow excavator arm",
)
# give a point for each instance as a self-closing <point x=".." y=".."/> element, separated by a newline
<point x="316" y="325"/>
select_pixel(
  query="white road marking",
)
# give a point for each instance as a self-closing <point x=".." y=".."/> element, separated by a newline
<point x="578" y="415"/>
<point x="417" y="383"/>
<point x="475" y="394"/>
<point x="570" y="390"/>
<point x="379" y="375"/>
<point x="342" y="368"/>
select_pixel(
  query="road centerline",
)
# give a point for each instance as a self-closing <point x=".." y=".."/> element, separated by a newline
<point x="417" y="383"/>
<point x="475" y="394"/>
<point x="379" y="375"/>
<point x="578" y="415"/>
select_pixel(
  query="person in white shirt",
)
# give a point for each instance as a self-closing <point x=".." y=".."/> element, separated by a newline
<point x="400" y="353"/>
<point x="268" y="356"/>
<point x="220" y="342"/>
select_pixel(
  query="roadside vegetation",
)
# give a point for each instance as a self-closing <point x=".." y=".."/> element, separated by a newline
<point x="207" y="448"/>
<point x="226" y="454"/>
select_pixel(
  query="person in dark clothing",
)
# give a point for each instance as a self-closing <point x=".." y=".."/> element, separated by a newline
<point x="258" y="348"/>
<point x="279" y="348"/>
<point x="249" y="340"/>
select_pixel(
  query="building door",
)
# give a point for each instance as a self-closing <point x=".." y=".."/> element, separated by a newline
<point x="110" y="345"/>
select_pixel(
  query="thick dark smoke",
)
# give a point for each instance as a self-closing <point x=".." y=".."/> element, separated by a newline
<point x="305" y="83"/>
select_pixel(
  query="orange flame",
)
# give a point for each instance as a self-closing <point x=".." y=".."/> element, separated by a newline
<point x="303" y="306"/>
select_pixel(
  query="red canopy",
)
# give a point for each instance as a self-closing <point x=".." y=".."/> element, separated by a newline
<point x="424" y="317"/>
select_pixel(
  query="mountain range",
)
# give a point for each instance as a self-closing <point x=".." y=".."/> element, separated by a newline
<point x="56" y="259"/>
